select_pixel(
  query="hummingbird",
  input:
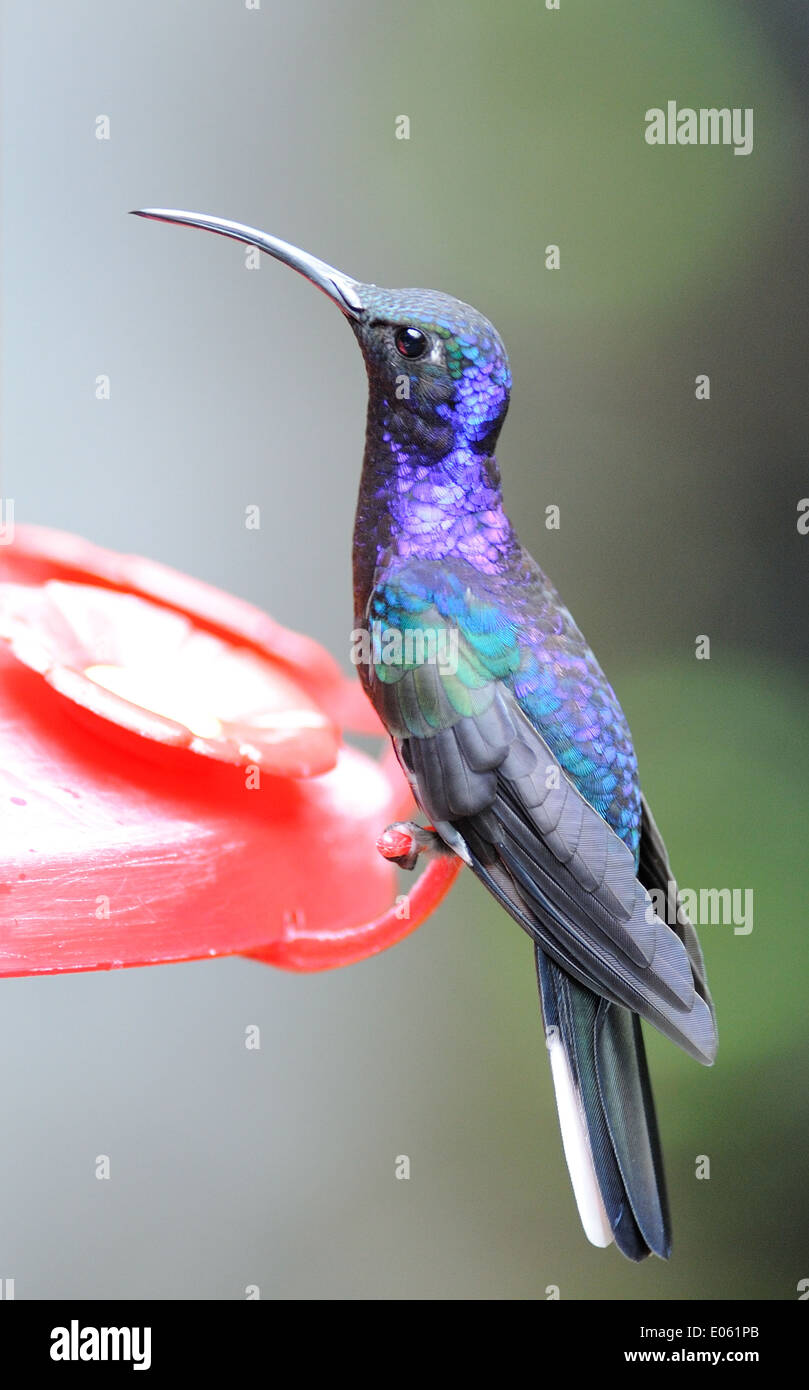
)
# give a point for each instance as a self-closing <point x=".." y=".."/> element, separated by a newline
<point x="514" y="743"/>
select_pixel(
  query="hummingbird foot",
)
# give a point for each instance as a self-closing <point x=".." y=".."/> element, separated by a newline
<point x="405" y="840"/>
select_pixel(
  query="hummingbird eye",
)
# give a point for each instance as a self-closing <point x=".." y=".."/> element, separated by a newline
<point x="410" y="342"/>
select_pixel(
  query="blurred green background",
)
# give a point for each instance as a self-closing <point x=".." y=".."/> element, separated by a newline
<point x="678" y="518"/>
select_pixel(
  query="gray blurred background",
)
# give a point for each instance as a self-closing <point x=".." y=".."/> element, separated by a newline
<point x="231" y="387"/>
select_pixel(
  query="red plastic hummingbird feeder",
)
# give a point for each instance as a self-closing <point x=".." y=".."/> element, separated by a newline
<point x="174" y="779"/>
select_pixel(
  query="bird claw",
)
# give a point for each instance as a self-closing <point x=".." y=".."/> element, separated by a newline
<point x="405" y="840"/>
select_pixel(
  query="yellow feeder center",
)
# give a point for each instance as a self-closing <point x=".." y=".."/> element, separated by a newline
<point x="163" y="691"/>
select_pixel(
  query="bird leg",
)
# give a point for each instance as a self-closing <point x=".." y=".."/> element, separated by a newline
<point x="405" y="840"/>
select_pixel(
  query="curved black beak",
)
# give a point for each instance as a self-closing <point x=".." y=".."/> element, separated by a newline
<point x="339" y="287"/>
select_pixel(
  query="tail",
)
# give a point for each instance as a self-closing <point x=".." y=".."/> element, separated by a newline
<point x="607" y="1115"/>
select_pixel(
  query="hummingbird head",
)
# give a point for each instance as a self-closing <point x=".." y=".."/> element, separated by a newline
<point x="438" y="372"/>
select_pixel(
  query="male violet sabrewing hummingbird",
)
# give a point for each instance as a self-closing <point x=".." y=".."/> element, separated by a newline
<point x="513" y="741"/>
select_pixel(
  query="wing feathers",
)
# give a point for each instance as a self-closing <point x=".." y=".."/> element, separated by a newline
<point x="582" y="945"/>
<point x="654" y="871"/>
<point x="569" y="879"/>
